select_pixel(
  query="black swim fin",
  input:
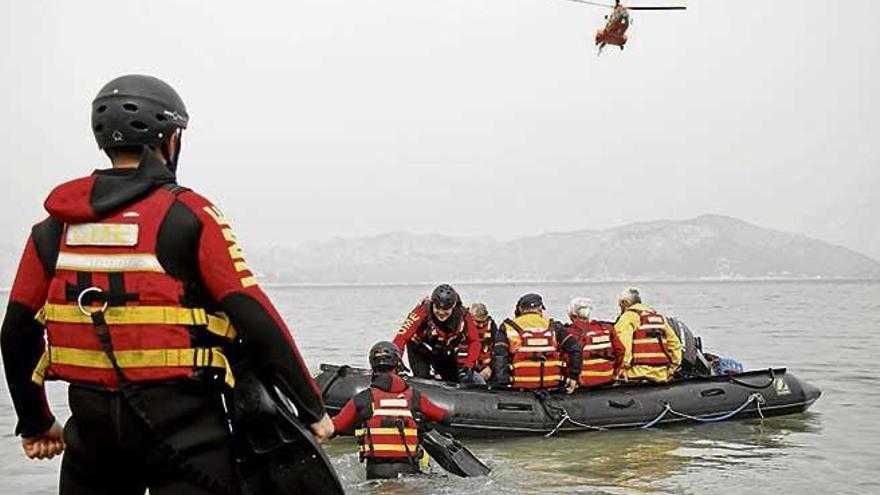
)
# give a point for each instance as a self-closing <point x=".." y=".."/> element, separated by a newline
<point x="275" y="453"/>
<point x="452" y="455"/>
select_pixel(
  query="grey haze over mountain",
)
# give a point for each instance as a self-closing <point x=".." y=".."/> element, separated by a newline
<point x="708" y="246"/>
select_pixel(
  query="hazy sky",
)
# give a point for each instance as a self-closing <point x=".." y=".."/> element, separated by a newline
<point x="320" y="118"/>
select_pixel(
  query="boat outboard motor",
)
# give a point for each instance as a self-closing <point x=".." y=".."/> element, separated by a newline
<point x="693" y="362"/>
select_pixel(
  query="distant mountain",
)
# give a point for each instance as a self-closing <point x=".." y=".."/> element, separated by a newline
<point x="709" y="246"/>
<point x="706" y="247"/>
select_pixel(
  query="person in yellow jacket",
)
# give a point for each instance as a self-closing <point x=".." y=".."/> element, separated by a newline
<point x="652" y="349"/>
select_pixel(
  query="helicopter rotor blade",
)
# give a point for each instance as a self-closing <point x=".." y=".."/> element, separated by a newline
<point x="595" y="4"/>
<point x="671" y="7"/>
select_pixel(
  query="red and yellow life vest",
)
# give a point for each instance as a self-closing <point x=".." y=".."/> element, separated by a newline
<point x="484" y="329"/>
<point x="113" y="264"/>
<point x="391" y="432"/>
<point x="438" y="338"/>
<point x="535" y="355"/>
<point x="647" y="345"/>
<point x="598" y="358"/>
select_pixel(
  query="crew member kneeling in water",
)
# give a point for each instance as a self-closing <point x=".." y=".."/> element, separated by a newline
<point x="384" y="417"/>
<point x="603" y="352"/>
<point x="431" y="336"/>
<point x="529" y="350"/>
<point x="652" y="349"/>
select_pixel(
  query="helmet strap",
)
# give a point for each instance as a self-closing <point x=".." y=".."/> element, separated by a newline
<point x="171" y="161"/>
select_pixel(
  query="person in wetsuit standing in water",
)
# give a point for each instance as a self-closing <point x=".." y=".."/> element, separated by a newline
<point x="140" y="287"/>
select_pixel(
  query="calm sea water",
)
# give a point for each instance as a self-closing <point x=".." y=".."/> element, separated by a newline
<point x="822" y="331"/>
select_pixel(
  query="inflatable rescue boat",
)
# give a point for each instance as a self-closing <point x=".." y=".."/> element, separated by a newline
<point x="698" y="396"/>
<point x="485" y="411"/>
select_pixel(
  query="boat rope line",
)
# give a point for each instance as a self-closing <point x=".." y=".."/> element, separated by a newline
<point x="756" y="387"/>
<point x="708" y="418"/>
<point x="562" y="414"/>
<point x="566" y="418"/>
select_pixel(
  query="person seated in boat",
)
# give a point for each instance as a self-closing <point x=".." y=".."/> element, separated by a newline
<point x="486" y="329"/>
<point x="384" y="417"/>
<point x="603" y="351"/>
<point x="652" y="349"/>
<point x="432" y="333"/>
<point x="530" y="348"/>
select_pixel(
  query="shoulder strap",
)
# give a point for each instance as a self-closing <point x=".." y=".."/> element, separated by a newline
<point x="175" y="189"/>
<point x="363" y="405"/>
<point x="46" y="236"/>
<point x="513" y="325"/>
<point x="416" y="401"/>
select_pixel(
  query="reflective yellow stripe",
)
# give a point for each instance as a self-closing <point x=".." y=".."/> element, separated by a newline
<point x="652" y="340"/>
<point x="535" y="364"/>
<point x="597" y="373"/>
<point x="529" y="379"/>
<point x="596" y="361"/>
<point x="650" y="355"/>
<point x="381" y="447"/>
<point x="218" y="324"/>
<point x="201" y="357"/>
<point x="39" y="374"/>
<point x="385" y="431"/>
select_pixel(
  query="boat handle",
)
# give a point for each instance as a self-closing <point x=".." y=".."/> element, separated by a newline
<point x="514" y="406"/>
<point x="621" y="405"/>
<point x="712" y="392"/>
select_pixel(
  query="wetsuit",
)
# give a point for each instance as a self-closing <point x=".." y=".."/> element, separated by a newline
<point x="109" y="448"/>
<point x="430" y="343"/>
<point x="374" y="411"/>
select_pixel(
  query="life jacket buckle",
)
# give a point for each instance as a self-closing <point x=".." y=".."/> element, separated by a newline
<point x="82" y="308"/>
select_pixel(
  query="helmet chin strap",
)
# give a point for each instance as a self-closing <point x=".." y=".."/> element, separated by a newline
<point x="171" y="161"/>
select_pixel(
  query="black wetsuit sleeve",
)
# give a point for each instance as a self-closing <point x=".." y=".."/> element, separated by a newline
<point x="265" y="338"/>
<point x="21" y="337"/>
<point x="501" y="358"/>
<point x="22" y="343"/>
<point x="572" y="348"/>
<point x="265" y="344"/>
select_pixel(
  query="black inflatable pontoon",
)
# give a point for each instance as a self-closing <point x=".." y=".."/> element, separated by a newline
<point x="480" y="411"/>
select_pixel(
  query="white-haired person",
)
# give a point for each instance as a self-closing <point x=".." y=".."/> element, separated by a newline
<point x="652" y="349"/>
<point x="603" y="351"/>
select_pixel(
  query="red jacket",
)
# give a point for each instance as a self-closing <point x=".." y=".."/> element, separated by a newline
<point x="444" y="337"/>
<point x="595" y="363"/>
<point x="359" y="409"/>
<point x="194" y="243"/>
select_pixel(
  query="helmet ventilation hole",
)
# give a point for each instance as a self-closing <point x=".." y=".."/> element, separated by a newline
<point x="99" y="127"/>
<point x="130" y="107"/>
<point x="102" y="108"/>
<point x="161" y="118"/>
<point x="137" y="124"/>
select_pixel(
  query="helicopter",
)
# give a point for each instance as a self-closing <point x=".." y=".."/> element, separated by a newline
<point x="618" y="21"/>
